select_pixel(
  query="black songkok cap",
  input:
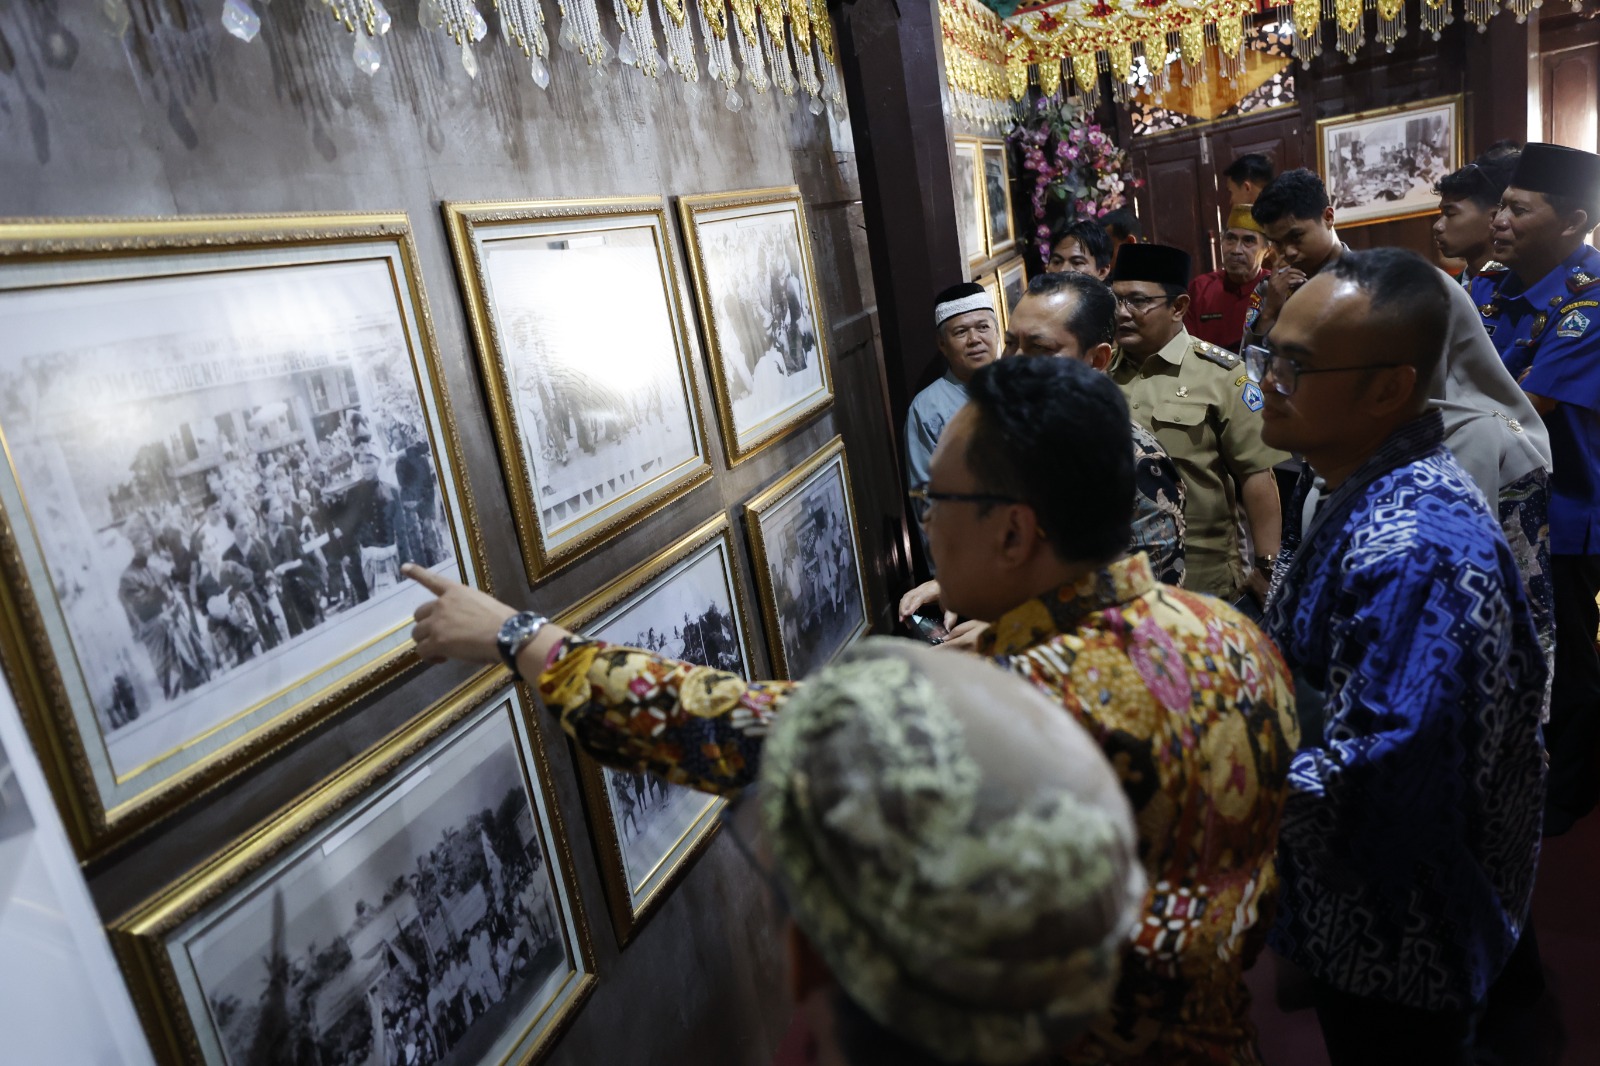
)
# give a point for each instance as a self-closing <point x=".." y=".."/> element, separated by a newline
<point x="1151" y="262"/>
<point x="1556" y="170"/>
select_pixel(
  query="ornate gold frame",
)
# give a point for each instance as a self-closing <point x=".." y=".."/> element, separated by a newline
<point x="1016" y="263"/>
<point x="468" y="223"/>
<point x="140" y="937"/>
<point x="993" y="250"/>
<point x="690" y="208"/>
<point x="1456" y="103"/>
<point x="774" y="496"/>
<point x="626" y="918"/>
<point x="30" y="661"/>
<point x="979" y="255"/>
<point x="991" y="285"/>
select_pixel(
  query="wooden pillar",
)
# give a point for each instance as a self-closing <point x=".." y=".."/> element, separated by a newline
<point x="892" y="58"/>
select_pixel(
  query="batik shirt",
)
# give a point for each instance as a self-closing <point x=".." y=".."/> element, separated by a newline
<point x="1158" y="529"/>
<point x="1411" y="834"/>
<point x="1192" y="706"/>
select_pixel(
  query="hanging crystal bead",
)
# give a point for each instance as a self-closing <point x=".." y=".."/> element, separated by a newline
<point x="368" y="58"/>
<point x="241" y="20"/>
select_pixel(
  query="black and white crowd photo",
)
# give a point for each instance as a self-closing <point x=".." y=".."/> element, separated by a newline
<point x="811" y="557"/>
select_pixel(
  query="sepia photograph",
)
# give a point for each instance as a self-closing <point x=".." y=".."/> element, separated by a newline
<point x="222" y="473"/>
<point x="1013" y="283"/>
<point x="422" y="923"/>
<point x="756" y="287"/>
<point x="579" y="316"/>
<point x="808" y="560"/>
<point x="687" y="607"/>
<point x="969" y="212"/>
<point x="1002" y="235"/>
<point x="1384" y="164"/>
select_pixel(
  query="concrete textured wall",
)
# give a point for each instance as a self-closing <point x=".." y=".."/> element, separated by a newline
<point x="179" y="117"/>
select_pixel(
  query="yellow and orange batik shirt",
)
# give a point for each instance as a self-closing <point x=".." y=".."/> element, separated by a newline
<point x="1192" y="705"/>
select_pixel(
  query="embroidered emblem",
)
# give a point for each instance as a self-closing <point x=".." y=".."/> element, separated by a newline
<point x="1250" y="317"/>
<point x="1242" y="378"/>
<point x="1252" y="396"/>
<point x="1573" y="325"/>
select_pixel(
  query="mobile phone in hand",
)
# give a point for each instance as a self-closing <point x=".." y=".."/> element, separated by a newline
<point x="929" y="629"/>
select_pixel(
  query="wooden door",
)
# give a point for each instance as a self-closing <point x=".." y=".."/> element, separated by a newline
<point x="1571" y="88"/>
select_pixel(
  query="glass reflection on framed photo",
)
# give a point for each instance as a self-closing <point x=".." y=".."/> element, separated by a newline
<point x="1383" y="164"/>
<point x="969" y="200"/>
<point x="1000" y="231"/>
<point x="226" y="436"/>
<point x="685" y="603"/>
<point x="807" y="559"/>
<point x="419" y="907"/>
<point x="580" y="331"/>
<point x="1013" y="276"/>
<point x="761" y="310"/>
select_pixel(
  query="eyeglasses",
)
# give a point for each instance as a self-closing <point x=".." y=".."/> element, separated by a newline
<point x="1140" y="304"/>
<point x="922" y="500"/>
<point x="1286" y="372"/>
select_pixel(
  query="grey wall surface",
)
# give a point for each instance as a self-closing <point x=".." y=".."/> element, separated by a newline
<point x="180" y="118"/>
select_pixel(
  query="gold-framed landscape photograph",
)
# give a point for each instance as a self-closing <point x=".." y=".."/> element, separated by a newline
<point x="225" y="437"/>
<point x="761" y="309"/>
<point x="968" y="177"/>
<point x="1383" y="164"/>
<point x="418" y="907"/>
<point x="1012" y="276"/>
<point x="1000" y="234"/>
<point x="685" y="603"/>
<point x="579" y="326"/>
<point x="807" y="559"/>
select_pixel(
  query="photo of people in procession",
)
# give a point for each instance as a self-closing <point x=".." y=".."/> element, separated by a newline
<point x="427" y="936"/>
<point x="688" y="614"/>
<point x="208" y="502"/>
<point x="764" y="308"/>
<point x="811" y="555"/>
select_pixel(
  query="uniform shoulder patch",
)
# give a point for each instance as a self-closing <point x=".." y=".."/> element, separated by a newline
<point x="1573" y="324"/>
<point x="1252" y="396"/>
<point x="1212" y="354"/>
<point x="1582" y="281"/>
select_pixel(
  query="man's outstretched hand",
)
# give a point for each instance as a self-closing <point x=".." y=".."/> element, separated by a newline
<point x="462" y="623"/>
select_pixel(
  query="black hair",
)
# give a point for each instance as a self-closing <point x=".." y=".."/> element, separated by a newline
<point x="1294" y="193"/>
<point x="1174" y="290"/>
<point x="1407" y="291"/>
<point x="1482" y="180"/>
<point x="1565" y="205"/>
<point x="1092" y="318"/>
<point x="1255" y="168"/>
<point x="1123" y="224"/>
<point x="1055" y="435"/>
<point x="1090" y="234"/>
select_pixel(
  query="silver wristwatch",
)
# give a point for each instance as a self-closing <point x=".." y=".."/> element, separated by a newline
<point x="515" y="634"/>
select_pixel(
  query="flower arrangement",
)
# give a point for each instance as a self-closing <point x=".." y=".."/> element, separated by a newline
<point x="1078" y="171"/>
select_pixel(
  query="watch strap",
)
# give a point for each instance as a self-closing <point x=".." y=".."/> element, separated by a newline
<point x="515" y="633"/>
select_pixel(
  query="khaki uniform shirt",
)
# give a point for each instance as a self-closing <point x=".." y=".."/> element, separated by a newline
<point x="1206" y="412"/>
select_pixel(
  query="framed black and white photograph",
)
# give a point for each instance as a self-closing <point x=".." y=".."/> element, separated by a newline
<point x="969" y="200"/>
<point x="762" y="313"/>
<point x="578" y="318"/>
<point x="226" y="438"/>
<point x="1383" y="164"/>
<point x="1000" y="231"/>
<point x="418" y="908"/>
<point x="684" y="603"/>
<point x="807" y="558"/>
<point x="1013" y="276"/>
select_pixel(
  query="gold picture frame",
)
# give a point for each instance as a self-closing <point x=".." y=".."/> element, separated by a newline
<point x="999" y="223"/>
<point x="991" y="285"/>
<point x="792" y="606"/>
<point x="1012" y="279"/>
<point x="194" y="953"/>
<point x="687" y="820"/>
<point x="546" y="282"/>
<point x="758" y="241"/>
<point x="156" y="369"/>
<point x="1399" y="182"/>
<point x="967" y="174"/>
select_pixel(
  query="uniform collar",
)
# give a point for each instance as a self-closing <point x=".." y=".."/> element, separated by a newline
<point x="1551" y="290"/>
<point x="950" y="376"/>
<point x="1061" y="611"/>
<point x="1175" y="349"/>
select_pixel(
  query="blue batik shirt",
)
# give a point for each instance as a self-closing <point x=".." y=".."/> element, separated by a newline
<point x="1548" y="334"/>
<point x="1411" y="832"/>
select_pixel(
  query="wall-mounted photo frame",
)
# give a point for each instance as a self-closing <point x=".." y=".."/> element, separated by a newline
<point x="991" y="285"/>
<point x="1000" y="232"/>
<point x="226" y="436"/>
<point x="1383" y="164"/>
<point x="807" y="557"/>
<point x="418" y="907"/>
<point x="761" y="309"/>
<point x="968" y="178"/>
<point x="590" y="391"/>
<point x="1013" y="278"/>
<point x="686" y="603"/>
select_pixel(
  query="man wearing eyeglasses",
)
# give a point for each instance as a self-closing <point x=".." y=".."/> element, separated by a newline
<point x="1411" y="834"/>
<point x="1205" y="412"/>
<point x="1031" y="490"/>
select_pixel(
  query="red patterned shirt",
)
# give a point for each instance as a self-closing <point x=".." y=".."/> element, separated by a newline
<point x="1217" y="308"/>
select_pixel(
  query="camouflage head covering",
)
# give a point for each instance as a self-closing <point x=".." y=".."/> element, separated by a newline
<point x="954" y="846"/>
